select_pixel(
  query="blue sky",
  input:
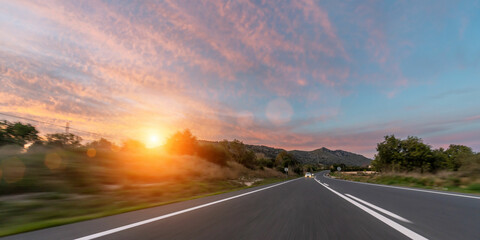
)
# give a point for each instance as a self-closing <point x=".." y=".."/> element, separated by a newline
<point x="291" y="74"/>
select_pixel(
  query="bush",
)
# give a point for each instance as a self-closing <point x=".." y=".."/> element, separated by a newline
<point x="474" y="187"/>
<point x="264" y="162"/>
<point x="214" y="154"/>
<point x="453" y="182"/>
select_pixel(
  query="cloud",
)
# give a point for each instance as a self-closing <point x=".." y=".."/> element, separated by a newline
<point x="454" y="92"/>
<point x="212" y="66"/>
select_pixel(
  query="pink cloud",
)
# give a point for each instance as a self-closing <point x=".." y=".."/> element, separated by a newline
<point x="190" y="64"/>
<point x="318" y="15"/>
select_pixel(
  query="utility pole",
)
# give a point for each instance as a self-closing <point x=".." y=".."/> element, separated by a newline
<point x="67" y="127"/>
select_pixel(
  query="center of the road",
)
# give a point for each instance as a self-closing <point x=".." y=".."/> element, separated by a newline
<point x="405" y="231"/>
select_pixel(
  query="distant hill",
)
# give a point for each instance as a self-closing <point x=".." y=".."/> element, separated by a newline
<point x="322" y="155"/>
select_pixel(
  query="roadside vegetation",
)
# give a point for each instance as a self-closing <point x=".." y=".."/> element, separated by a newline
<point x="410" y="162"/>
<point x="57" y="179"/>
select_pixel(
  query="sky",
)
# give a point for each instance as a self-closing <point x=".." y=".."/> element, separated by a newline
<point x="291" y="74"/>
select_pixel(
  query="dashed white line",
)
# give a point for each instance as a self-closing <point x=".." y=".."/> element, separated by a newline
<point x="405" y="231"/>
<point x="379" y="209"/>
<point x="118" y="229"/>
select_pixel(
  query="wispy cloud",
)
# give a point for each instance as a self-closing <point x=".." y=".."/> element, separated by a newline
<point x="212" y="66"/>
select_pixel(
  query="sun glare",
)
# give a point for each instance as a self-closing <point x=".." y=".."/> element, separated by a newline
<point x="153" y="141"/>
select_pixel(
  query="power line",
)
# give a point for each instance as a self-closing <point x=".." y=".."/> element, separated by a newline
<point x="53" y="124"/>
<point x="29" y="119"/>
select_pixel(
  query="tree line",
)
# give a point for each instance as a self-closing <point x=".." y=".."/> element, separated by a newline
<point x="412" y="154"/>
<point x="25" y="135"/>
<point x="180" y="143"/>
<point x="184" y="143"/>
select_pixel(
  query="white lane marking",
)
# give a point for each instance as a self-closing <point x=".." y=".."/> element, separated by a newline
<point x="405" y="231"/>
<point x="326" y="184"/>
<point x="411" y="189"/>
<point x="118" y="229"/>
<point x="379" y="209"/>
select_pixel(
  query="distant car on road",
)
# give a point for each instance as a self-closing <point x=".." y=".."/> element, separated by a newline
<point x="308" y="175"/>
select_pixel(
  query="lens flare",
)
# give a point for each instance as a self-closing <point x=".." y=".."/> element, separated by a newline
<point x="53" y="161"/>
<point x="279" y="111"/>
<point x="91" y="152"/>
<point x="13" y="170"/>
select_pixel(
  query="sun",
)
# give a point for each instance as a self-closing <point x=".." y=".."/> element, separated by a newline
<point x="153" y="141"/>
<point x="153" y="137"/>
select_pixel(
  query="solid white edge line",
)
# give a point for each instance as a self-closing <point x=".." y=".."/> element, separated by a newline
<point x="405" y="188"/>
<point x="118" y="229"/>
<point x="379" y="209"/>
<point x="405" y="231"/>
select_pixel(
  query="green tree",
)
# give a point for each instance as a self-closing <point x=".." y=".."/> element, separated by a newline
<point x="102" y="143"/>
<point x="416" y="155"/>
<point x="212" y="153"/>
<point x="405" y="155"/>
<point x="239" y="153"/>
<point x="285" y="159"/>
<point x="471" y="165"/>
<point x="64" y="140"/>
<point x="17" y="133"/>
<point x="455" y="154"/>
<point x="440" y="159"/>
<point x="389" y="154"/>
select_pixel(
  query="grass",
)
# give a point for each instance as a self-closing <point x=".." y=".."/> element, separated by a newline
<point x="110" y="183"/>
<point x="446" y="181"/>
<point x="53" y="209"/>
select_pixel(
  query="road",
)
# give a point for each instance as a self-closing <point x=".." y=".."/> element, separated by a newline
<point x="320" y="208"/>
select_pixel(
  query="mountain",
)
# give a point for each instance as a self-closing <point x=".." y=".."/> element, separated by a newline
<point x="322" y="155"/>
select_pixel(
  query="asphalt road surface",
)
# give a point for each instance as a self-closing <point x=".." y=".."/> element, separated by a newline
<point x="320" y="208"/>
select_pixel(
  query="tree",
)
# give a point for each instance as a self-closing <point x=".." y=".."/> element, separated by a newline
<point x="247" y="159"/>
<point x="4" y="136"/>
<point x="239" y="152"/>
<point x="182" y="143"/>
<point x="389" y="153"/>
<point x="102" y="143"/>
<point x="412" y="154"/>
<point x="416" y="155"/>
<point x="455" y="154"/>
<point x="17" y="133"/>
<point x="404" y="155"/>
<point x="285" y="159"/>
<point x="133" y="145"/>
<point x="471" y="165"/>
<point x="440" y="159"/>
<point x="212" y="153"/>
<point x="64" y="140"/>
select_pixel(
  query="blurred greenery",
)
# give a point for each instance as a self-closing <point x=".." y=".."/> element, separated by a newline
<point x="412" y="154"/>
<point x="17" y="133"/>
<point x="410" y="162"/>
<point x="48" y="209"/>
<point x="56" y="179"/>
<point x="446" y="181"/>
